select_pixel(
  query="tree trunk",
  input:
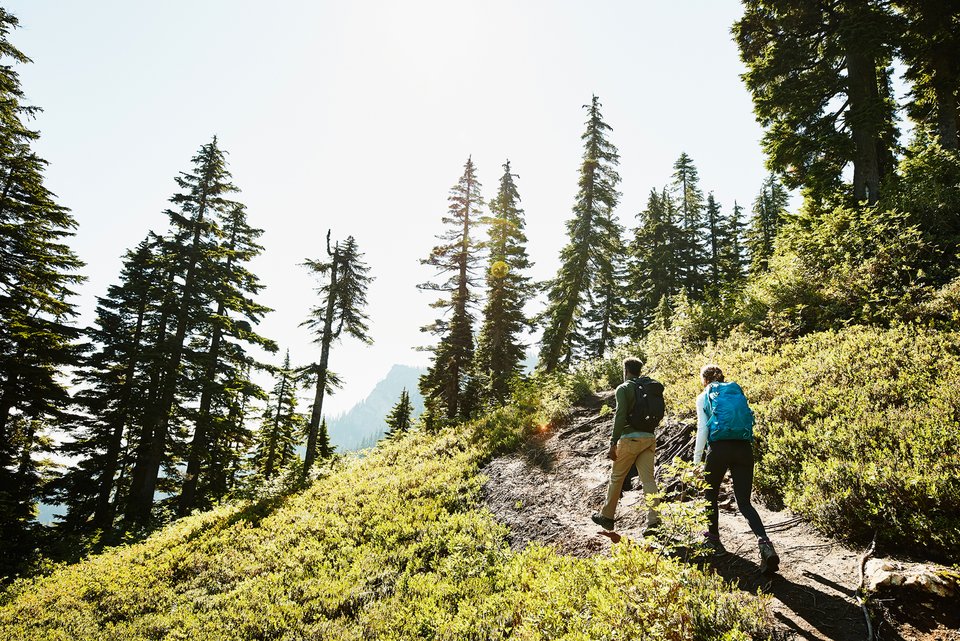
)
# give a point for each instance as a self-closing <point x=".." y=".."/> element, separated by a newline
<point x="864" y="103"/>
<point x="325" y="341"/>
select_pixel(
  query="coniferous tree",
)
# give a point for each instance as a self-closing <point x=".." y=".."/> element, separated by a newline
<point x="688" y="197"/>
<point x="400" y="418"/>
<point x="769" y="209"/>
<point x="324" y="449"/>
<point x="456" y="258"/>
<point x="37" y="341"/>
<point x="500" y="351"/>
<point x="587" y="258"/>
<point x="655" y="264"/>
<point x="280" y="425"/>
<point x="820" y="81"/>
<point x="732" y="261"/>
<point x="930" y="48"/>
<point x="716" y="240"/>
<point x="344" y="292"/>
<point x="111" y="389"/>
<point x="222" y="363"/>
<point x="605" y="319"/>
<point x="193" y="250"/>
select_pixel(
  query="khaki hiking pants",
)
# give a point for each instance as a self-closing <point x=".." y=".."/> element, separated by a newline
<point x="633" y="451"/>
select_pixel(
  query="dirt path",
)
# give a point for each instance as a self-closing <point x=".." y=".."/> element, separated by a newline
<point x="547" y="492"/>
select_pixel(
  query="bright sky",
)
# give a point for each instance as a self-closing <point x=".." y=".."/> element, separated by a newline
<point x="358" y="116"/>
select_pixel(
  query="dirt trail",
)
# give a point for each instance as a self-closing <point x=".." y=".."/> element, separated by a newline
<point x="547" y="491"/>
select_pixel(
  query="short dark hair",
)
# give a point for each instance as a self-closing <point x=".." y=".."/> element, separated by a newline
<point x="711" y="373"/>
<point x="632" y="365"/>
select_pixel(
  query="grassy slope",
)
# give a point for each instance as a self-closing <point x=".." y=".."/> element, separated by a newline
<point x="391" y="546"/>
<point x="857" y="430"/>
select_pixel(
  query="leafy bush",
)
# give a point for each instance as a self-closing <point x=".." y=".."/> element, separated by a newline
<point x="856" y="429"/>
<point x="394" y="545"/>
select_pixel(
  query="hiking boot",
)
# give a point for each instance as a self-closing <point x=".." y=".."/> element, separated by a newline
<point x="769" y="559"/>
<point x="713" y="545"/>
<point x="605" y="522"/>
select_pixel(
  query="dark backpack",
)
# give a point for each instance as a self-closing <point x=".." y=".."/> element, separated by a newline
<point x="648" y="406"/>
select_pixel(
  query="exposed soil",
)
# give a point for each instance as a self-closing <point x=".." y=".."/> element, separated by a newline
<point x="547" y="491"/>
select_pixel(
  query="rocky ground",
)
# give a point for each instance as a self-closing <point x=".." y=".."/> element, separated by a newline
<point x="547" y="491"/>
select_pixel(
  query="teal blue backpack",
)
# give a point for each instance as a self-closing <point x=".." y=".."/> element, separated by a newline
<point x="730" y="416"/>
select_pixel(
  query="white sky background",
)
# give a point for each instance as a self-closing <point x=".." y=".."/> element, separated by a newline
<point x="358" y="116"/>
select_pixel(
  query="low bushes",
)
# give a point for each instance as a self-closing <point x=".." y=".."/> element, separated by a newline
<point x="394" y="545"/>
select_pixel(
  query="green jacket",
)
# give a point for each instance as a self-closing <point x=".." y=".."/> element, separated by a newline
<point x="626" y="397"/>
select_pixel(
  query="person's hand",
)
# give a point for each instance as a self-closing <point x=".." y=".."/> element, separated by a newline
<point x="612" y="454"/>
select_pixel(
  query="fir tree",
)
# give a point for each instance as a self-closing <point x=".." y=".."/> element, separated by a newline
<point x="280" y="424"/>
<point x="324" y="450"/>
<point x="37" y="341"/>
<point x="344" y="290"/>
<point x="588" y="257"/>
<point x="693" y="255"/>
<point x="111" y="389"/>
<point x="732" y="261"/>
<point x="400" y="417"/>
<point x="930" y="48"/>
<point x="769" y="210"/>
<point x="716" y="240"/>
<point x="818" y="73"/>
<point x="655" y="265"/>
<point x="223" y="363"/>
<point x="500" y="350"/>
<point x="455" y="260"/>
<point x="193" y="250"/>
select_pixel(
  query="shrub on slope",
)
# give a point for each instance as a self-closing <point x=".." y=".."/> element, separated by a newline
<point x="394" y="545"/>
<point x="857" y="429"/>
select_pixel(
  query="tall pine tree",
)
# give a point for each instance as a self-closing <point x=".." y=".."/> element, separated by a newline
<point x="500" y="349"/>
<point x="818" y="73"/>
<point x="344" y="293"/>
<point x="587" y="260"/>
<point x="692" y="250"/>
<point x="280" y="424"/>
<point x="456" y="260"/>
<point x="400" y="418"/>
<point x="769" y="210"/>
<point x="37" y="341"/>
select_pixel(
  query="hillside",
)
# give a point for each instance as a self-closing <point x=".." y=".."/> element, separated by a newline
<point x="482" y="531"/>
<point x="546" y="492"/>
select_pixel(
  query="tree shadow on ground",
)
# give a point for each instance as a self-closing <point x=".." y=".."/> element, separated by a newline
<point x="832" y="616"/>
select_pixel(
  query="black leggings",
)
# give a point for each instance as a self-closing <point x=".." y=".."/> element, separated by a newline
<point x="736" y="456"/>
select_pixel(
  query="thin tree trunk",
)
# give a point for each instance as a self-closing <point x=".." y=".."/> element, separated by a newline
<point x="864" y="101"/>
<point x="326" y="339"/>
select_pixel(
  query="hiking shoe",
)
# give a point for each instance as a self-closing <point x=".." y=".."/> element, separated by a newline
<point x="605" y="522"/>
<point x="713" y="545"/>
<point x="769" y="559"/>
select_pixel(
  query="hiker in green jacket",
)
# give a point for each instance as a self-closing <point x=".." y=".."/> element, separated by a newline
<point x="633" y="443"/>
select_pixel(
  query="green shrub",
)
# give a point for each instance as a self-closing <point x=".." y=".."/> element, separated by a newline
<point x="856" y="429"/>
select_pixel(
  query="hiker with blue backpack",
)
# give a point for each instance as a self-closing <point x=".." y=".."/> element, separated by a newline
<point x="640" y="409"/>
<point x="725" y="421"/>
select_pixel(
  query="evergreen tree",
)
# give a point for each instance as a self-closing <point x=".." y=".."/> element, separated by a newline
<point x="400" y="418"/>
<point x="605" y="319"/>
<point x="818" y="73"/>
<point x="716" y="240"/>
<point x="324" y="448"/>
<point x="655" y="265"/>
<point x="693" y="254"/>
<point x="500" y="351"/>
<point x="37" y="341"/>
<point x="732" y="261"/>
<point x="344" y="290"/>
<point x="193" y="251"/>
<point x="588" y="257"/>
<point x="930" y="48"/>
<point x="223" y="365"/>
<point x="111" y="389"/>
<point x="455" y="260"/>
<point x="280" y="425"/>
<point x="769" y="210"/>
